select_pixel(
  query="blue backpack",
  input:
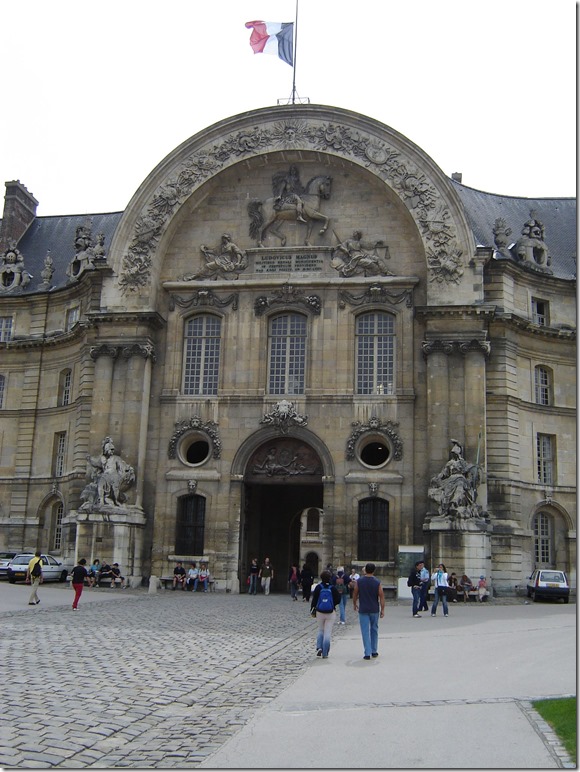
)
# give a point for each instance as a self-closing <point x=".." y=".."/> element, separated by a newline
<point x="325" y="600"/>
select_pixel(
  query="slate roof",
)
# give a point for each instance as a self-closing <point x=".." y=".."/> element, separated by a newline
<point x="558" y="216"/>
<point x="57" y="233"/>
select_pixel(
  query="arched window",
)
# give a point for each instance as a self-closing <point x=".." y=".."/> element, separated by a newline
<point x="190" y="526"/>
<point x="287" y="354"/>
<point x="543" y="385"/>
<point x="202" y="355"/>
<point x="64" y="387"/>
<point x="375" y="352"/>
<point x="373" y="529"/>
<point x="56" y="526"/>
<point x="2" y="388"/>
<point x="543" y="528"/>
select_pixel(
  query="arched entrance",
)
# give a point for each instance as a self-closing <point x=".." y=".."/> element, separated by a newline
<point x="282" y="478"/>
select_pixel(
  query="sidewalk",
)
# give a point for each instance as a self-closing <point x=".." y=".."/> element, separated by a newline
<point x="418" y="706"/>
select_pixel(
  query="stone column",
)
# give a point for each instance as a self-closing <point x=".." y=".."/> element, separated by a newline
<point x="140" y="358"/>
<point x="475" y="353"/>
<point x="437" y="354"/>
<point x="104" y="357"/>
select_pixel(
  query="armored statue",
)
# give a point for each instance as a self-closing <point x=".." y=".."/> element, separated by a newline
<point x="531" y="249"/>
<point x="12" y="273"/>
<point x="111" y="476"/>
<point x="454" y="489"/>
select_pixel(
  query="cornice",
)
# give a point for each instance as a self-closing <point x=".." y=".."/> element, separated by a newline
<point x="487" y="311"/>
<point x="150" y="318"/>
<point x="525" y="325"/>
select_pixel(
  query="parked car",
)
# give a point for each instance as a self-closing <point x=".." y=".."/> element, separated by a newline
<point x="53" y="569"/>
<point x="547" y="583"/>
<point x="5" y="558"/>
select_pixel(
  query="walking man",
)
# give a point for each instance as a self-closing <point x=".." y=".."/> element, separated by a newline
<point x="266" y="575"/>
<point x="34" y="576"/>
<point x="369" y="600"/>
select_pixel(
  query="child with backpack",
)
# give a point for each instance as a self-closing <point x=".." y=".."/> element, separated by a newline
<point x="324" y="600"/>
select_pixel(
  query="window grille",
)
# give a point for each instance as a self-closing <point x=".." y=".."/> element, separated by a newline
<point x="373" y="529"/>
<point x="202" y="355"/>
<point x="545" y="458"/>
<point x="287" y="354"/>
<point x="375" y="347"/>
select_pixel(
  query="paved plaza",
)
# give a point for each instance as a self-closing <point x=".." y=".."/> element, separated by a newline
<point x="176" y="680"/>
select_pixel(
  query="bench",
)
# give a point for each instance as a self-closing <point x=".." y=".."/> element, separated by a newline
<point x="390" y="590"/>
<point x="167" y="581"/>
<point x="472" y="595"/>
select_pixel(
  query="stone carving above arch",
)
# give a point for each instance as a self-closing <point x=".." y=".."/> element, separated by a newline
<point x="288" y="296"/>
<point x="284" y="459"/>
<point x="361" y="141"/>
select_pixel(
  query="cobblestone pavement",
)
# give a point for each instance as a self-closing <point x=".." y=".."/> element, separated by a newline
<point x="152" y="681"/>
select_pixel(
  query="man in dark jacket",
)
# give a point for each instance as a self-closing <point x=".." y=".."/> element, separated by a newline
<point x="324" y="612"/>
<point x="414" y="582"/>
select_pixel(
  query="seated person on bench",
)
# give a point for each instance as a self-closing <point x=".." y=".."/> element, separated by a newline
<point x="117" y="578"/>
<point x="204" y="576"/>
<point x="179" y="576"/>
<point x="106" y="572"/>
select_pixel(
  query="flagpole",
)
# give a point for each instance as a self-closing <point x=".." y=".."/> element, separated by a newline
<point x="294" y="57"/>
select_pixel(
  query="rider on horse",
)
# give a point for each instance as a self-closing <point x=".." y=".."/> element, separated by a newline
<point x="287" y="189"/>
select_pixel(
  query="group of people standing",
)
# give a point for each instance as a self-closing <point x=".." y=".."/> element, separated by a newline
<point x="445" y="587"/>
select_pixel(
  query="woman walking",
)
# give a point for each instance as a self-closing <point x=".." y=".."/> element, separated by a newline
<point x="79" y="574"/>
<point x="324" y="600"/>
<point x="440" y="580"/>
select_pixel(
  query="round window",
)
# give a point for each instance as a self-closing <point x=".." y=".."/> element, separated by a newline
<point x="194" y="449"/>
<point x="373" y="452"/>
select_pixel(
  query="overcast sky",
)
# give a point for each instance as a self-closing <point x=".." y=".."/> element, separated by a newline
<point x="96" y="94"/>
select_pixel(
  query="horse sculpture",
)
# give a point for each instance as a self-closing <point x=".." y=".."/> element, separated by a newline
<point x="265" y="217"/>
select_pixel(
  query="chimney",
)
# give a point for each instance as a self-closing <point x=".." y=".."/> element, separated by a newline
<point x="457" y="176"/>
<point x="19" y="213"/>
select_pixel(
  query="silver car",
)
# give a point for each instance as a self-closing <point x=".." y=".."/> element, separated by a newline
<point x="5" y="558"/>
<point x="53" y="569"/>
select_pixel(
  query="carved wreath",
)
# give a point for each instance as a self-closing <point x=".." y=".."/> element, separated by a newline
<point x="195" y="422"/>
<point x="375" y="425"/>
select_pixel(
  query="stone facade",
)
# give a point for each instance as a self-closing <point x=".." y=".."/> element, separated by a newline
<point x="315" y="443"/>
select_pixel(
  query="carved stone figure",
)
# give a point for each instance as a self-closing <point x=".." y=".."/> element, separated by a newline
<point x="84" y="259"/>
<point x="224" y="260"/>
<point x="290" y="202"/>
<point x="454" y="489"/>
<point x="531" y="248"/>
<point x="47" y="272"/>
<point x="501" y="234"/>
<point x="12" y="273"/>
<point x="283" y="416"/>
<point x="288" y="190"/>
<point x="110" y="478"/>
<point x="353" y="257"/>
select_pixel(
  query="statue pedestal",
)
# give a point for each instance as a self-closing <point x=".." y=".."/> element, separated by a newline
<point x="463" y="545"/>
<point x="112" y="534"/>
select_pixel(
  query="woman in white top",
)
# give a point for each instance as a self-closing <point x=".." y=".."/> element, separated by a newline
<point x="439" y="579"/>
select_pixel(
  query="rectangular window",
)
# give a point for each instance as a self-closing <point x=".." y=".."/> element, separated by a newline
<point x="72" y="317"/>
<point x="545" y="449"/>
<point x="375" y="353"/>
<point x="373" y="529"/>
<point x="542" y="386"/>
<point x="57" y="538"/>
<point x="66" y="387"/>
<point x="190" y="526"/>
<point x="542" y="539"/>
<point x="287" y="354"/>
<point x="59" y="453"/>
<point x="202" y="355"/>
<point x="2" y="389"/>
<point x="540" y="312"/>
<point x="5" y="329"/>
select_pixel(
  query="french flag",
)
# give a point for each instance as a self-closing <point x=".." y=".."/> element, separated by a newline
<point x="273" y="37"/>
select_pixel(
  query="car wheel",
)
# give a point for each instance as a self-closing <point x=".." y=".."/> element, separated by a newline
<point x="12" y="579"/>
<point x="534" y="597"/>
<point x="529" y="594"/>
<point x="63" y="576"/>
<point x="566" y="599"/>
